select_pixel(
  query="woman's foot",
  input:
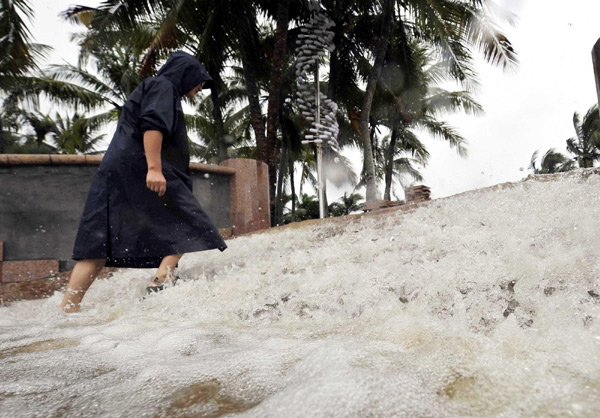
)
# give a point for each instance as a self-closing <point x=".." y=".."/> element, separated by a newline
<point x="83" y="274"/>
<point x="157" y="284"/>
<point x="72" y="300"/>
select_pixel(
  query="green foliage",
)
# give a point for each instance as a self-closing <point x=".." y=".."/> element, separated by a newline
<point x="431" y="42"/>
<point x="552" y="162"/>
<point x="236" y="125"/>
<point x="307" y="208"/>
<point x="57" y="135"/>
<point x="586" y="145"/>
<point x="346" y="204"/>
<point x="18" y="54"/>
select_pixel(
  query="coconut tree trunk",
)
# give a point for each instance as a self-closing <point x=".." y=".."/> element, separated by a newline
<point x="282" y="170"/>
<point x="293" y="191"/>
<point x="217" y="113"/>
<point x="249" y="57"/>
<point x="2" y="143"/>
<point x="326" y="157"/>
<point x="277" y="63"/>
<point x="373" y="79"/>
<point x="389" y="161"/>
<point x="339" y="8"/>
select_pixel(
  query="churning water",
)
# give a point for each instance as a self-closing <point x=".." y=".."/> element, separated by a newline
<point x="483" y="304"/>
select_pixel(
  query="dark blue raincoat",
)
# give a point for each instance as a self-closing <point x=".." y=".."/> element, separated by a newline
<point x="124" y="221"/>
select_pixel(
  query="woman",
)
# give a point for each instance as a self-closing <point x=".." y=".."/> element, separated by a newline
<point x="140" y="211"/>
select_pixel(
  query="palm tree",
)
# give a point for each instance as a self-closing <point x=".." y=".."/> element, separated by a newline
<point x="16" y="142"/>
<point x="345" y="204"/>
<point x="224" y="31"/>
<point x="19" y="56"/>
<point x="236" y="129"/>
<point x="22" y="81"/>
<point x="586" y="145"/>
<point x="408" y="98"/>
<point x="77" y="134"/>
<point x="451" y="27"/>
<point x="72" y="135"/>
<point x="308" y="208"/>
<point x="108" y="68"/>
<point x="37" y="143"/>
<point x="552" y="162"/>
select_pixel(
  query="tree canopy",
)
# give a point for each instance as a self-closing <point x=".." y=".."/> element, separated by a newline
<point x="384" y="72"/>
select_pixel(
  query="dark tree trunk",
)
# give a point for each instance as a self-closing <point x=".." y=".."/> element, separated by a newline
<point x="282" y="170"/>
<point x="338" y="13"/>
<point x="293" y="191"/>
<point x="389" y="161"/>
<point x="332" y="87"/>
<point x="277" y="63"/>
<point x="326" y="157"/>
<point x="381" y="48"/>
<point x="248" y="48"/>
<point x="218" y="114"/>
<point x="2" y="143"/>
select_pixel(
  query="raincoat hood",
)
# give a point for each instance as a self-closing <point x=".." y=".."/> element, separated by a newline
<point x="184" y="70"/>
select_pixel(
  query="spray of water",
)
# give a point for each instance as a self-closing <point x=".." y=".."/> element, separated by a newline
<point x="484" y="304"/>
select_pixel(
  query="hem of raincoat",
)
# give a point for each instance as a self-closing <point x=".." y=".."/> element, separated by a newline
<point x="147" y="261"/>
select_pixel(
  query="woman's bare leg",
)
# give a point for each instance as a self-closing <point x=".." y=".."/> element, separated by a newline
<point x="82" y="276"/>
<point x="166" y="269"/>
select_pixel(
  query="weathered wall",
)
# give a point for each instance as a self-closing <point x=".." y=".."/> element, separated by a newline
<point x="40" y="207"/>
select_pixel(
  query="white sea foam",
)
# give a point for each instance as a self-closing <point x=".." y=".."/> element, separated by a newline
<point x="484" y="304"/>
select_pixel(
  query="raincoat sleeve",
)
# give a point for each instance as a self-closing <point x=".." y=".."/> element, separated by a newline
<point x="157" y="110"/>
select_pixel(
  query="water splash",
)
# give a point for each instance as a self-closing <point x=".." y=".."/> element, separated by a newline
<point x="482" y="304"/>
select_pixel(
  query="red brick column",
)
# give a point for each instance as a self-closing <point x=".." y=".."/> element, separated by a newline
<point x="249" y="190"/>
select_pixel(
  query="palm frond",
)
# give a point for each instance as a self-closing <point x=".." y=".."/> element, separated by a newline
<point x="71" y="73"/>
<point x="485" y="36"/>
<point x="442" y="101"/>
<point x="445" y="132"/>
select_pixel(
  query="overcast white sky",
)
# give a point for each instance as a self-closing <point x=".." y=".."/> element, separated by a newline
<point x="529" y="110"/>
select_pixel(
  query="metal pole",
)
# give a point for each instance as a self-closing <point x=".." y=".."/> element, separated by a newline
<point x="319" y="144"/>
<point x="596" y="61"/>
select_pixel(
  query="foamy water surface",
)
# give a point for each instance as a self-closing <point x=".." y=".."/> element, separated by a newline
<point x="484" y="304"/>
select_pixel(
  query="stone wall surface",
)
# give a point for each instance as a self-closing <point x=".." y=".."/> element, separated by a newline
<point x="41" y="205"/>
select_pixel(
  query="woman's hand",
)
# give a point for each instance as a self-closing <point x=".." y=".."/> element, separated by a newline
<point x="154" y="179"/>
<point x="156" y="182"/>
